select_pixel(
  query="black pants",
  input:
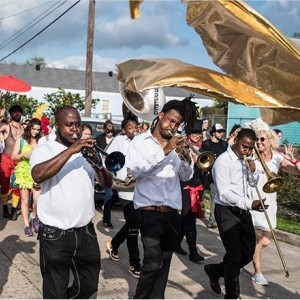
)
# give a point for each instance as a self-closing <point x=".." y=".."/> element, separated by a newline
<point x="65" y="250"/>
<point x="160" y="237"/>
<point x="129" y="232"/>
<point x="238" y="237"/>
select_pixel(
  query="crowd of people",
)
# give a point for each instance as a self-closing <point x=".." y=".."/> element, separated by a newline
<point x="54" y="185"/>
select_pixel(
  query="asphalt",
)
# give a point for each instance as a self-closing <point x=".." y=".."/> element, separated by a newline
<point x="20" y="276"/>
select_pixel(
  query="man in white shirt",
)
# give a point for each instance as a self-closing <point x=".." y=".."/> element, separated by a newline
<point x="130" y="229"/>
<point x="233" y="201"/>
<point x="66" y="207"/>
<point x="158" y="169"/>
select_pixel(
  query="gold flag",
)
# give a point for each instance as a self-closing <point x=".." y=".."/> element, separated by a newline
<point x="134" y="6"/>
<point x="246" y="46"/>
<point x="144" y="74"/>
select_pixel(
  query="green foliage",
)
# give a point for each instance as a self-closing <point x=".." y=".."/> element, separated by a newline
<point x="61" y="98"/>
<point x="288" y="225"/>
<point x="28" y="104"/>
<point x="36" y="60"/>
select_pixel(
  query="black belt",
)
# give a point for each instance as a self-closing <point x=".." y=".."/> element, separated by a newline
<point x="74" y="229"/>
<point x="238" y="210"/>
<point x="162" y="208"/>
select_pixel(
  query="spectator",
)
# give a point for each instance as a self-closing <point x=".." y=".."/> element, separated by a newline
<point x="216" y="145"/>
<point x="233" y="133"/>
<point x="21" y="154"/>
<point x="87" y="131"/>
<point x="205" y="133"/>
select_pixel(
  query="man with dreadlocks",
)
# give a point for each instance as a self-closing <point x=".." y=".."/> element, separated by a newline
<point x="158" y="169"/>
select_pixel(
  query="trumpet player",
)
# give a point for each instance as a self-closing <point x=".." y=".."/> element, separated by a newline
<point x="158" y="169"/>
<point x="267" y="143"/>
<point x="68" y="240"/>
<point x="233" y="202"/>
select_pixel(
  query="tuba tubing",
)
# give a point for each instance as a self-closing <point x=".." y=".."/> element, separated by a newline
<point x="267" y="216"/>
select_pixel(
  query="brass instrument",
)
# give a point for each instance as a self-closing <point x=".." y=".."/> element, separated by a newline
<point x="205" y="159"/>
<point x="113" y="162"/>
<point x="126" y="185"/>
<point x="272" y="184"/>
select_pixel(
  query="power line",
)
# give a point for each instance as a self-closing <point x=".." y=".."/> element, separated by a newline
<point x="38" y="19"/>
<point x="40" y="31"/>
<point x="22" y="12"/>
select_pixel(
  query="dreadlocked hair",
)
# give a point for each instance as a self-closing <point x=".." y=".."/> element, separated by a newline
<point x="186" y="108"/>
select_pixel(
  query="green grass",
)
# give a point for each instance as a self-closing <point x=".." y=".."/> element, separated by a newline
<point x="288" y="225"/>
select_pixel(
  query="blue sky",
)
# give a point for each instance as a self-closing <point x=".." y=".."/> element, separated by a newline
<point x="160" y="32"/>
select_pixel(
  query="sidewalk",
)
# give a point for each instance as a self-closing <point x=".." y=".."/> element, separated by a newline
<point x="20" y="276"/>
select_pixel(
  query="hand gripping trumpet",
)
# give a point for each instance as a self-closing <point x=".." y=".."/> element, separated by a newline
<point x="264" y="207"/>
<point x="114" y="161"/>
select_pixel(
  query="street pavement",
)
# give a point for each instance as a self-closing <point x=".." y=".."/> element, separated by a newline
<point x="20" y="276"/>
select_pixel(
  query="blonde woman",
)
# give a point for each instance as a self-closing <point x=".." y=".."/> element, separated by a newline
<point x="21" y="153"/>
<point x="275" y="161"/>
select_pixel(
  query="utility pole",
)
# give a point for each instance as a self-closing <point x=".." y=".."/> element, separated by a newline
<point x="89" y="59"/>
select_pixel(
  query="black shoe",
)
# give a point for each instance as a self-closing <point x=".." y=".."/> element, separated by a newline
<point x="6" y="213"/>
<point x="180" y="250"/>
<point x="196" y="257"/>
<point x="13" y="214"/>
<point x="213" y="279"/>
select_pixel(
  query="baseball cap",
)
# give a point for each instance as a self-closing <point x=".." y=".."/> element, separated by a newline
<point x="218" y="127"/>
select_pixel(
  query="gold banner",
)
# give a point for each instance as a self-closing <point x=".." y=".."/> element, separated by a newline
<point x="246" y="46"/>
<point x="143" y="74"/>
<point x="134" y="6"/>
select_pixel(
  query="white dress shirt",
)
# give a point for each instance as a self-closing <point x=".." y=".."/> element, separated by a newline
<point x="231" y="177"/>
<point x="121" y="143"/>
<point x="157" y="176"/>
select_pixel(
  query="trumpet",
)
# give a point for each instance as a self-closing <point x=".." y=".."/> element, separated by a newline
<point x="273" y="184"/>
<point x="114" y="161"/>
<point x="205" y="159"/>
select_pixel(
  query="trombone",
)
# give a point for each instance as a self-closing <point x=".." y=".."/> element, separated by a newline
<point x="273" y="185"/>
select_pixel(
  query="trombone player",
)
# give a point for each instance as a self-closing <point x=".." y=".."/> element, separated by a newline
<point x="233" y="203"/>
<point x="267" y="143"/>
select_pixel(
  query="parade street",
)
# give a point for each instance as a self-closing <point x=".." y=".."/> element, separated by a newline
<point x="20" y="276"/>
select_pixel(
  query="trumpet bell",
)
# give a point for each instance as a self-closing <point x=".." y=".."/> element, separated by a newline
<point x="205" y="160"/>
<point x="115" y="161"/>
<point x="274" y="185"/>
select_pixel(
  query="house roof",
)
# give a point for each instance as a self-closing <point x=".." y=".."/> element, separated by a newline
<point x="75" y="79"/>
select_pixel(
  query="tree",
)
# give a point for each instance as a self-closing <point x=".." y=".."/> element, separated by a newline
<point x="34" y="61"/>
<point x="61" y="98"/>
<point x="29" y="104"/>
<point x="297" y="35"/>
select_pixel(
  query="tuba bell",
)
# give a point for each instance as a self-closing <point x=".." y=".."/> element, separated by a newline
<point x="145" y="105"/>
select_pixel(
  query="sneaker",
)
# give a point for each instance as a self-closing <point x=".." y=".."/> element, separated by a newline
<point x="35" y="224"/>
<point x="113" y="254"/>
<point x="108" y="225"/>
<point x="28" y="231"/>
<point x="260" y="279"/>
<point x="135" y="271"/>
<point x="212" y="224"/>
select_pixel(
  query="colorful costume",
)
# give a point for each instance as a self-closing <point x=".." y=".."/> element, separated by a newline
<point x="22" y="170"/>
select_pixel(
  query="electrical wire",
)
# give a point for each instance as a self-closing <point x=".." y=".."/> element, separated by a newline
<point x="24" y="11"/>
<point x="40" y="31"/>
<point x="24" y="29"/>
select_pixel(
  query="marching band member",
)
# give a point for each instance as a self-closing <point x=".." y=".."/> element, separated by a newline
<point x="68" y="240"/>
<point x="158" y="169"/>
<point x="233" y="201"/>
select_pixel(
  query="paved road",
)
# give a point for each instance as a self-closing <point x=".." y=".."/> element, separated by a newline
<point x="20" y="275"/>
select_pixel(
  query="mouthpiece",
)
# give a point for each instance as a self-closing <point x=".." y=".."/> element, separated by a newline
<point x="75" y="136"/>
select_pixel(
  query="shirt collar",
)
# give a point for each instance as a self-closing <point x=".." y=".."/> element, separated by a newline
<point x="232" y="154"/>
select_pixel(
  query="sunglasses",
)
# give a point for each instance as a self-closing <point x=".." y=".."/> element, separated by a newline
<point x="262" y="139"/>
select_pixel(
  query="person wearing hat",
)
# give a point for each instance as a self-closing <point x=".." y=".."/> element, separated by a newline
<point x="192" y="192"/>
<point x="130" y="229"/>
<point x="11" y="131"/>
<point x="216" y="145"/>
